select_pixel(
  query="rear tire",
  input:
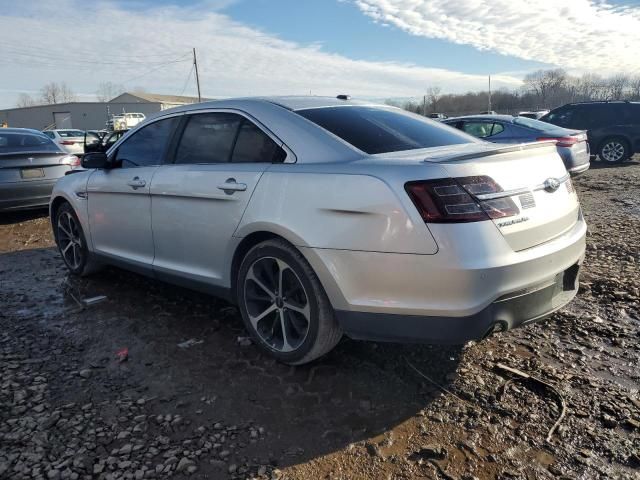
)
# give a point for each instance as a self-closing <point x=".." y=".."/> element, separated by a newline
<point x="72" y="243"/>
<point x="283" y="305"/>
<point x="614" y="150"/>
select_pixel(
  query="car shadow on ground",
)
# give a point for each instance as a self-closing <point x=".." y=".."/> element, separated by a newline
<point x="595" y="164"/>
<point x="19" y="216"/>
<point x="359" y="391"/>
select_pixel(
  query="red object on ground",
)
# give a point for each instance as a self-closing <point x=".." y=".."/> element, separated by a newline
<point x="123" y="354"/>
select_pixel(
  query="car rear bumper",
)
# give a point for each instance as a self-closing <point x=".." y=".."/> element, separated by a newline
<point x="506" y="313"/>
<point x="472" y="284"/>
<point x="19" y="195"/>
<point x="579" y="169"/>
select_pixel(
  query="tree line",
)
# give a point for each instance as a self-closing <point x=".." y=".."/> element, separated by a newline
<point x="541" y="90"/>
<point x="54" y="92"/>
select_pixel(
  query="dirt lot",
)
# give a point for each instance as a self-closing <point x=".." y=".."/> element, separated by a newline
<point x="213" y="407"/>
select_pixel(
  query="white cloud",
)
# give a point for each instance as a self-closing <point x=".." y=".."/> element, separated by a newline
<point x="83" y="45"/>
<point x="580" y="35"/>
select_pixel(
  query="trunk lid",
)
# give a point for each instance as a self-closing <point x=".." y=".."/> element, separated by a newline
<point x="32" y="166"/>
<point x="534" y="177"/>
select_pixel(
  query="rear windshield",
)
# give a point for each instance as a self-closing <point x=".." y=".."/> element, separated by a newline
<point x="70" y="133"/>
<point x="381" y="130"/>
<point x="13" y="142"/>
<point x="534" y="124"/>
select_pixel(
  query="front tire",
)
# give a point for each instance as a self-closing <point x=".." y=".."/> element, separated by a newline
<point x="72" y="243"/>
<point x="283" y="305"/>
<point x="614" y="150"/>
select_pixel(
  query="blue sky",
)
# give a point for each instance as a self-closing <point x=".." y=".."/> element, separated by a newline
<point x="369" y="48"/>
<point x="341" y="27"/>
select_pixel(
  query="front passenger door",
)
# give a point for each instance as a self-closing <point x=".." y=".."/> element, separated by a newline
<point x="119" y="204"/>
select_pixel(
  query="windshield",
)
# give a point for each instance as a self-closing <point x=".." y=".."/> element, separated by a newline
<point x="70" y="133"/>
<point x="14" y="142"/>
<point x="384" y="129"/>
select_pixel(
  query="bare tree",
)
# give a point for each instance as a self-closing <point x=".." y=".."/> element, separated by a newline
<point x="547" y="85"/>
<point x="25" y="100"/>
<point x="54" y="92"/>
<point x="108" y="90"/>
<point x="634" y="88"/>
<point x="433" y="95"/>
<point x="616" y="87"/>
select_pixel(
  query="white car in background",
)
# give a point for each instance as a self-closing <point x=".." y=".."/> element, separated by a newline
<point x="69" y="140"/>
<point x="125" y="121"/>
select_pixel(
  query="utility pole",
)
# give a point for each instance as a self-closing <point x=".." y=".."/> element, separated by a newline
<point x="489" y="92"/>
<point x="424" y="106"/>
<point x="195" y="64"/>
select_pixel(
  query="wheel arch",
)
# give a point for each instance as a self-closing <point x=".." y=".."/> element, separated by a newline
<point x="259" y="235"/>
<point x="60" y="197"/>
<point x="54" y="206"/>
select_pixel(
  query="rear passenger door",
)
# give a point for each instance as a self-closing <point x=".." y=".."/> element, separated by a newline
<point x="199" y="200"/>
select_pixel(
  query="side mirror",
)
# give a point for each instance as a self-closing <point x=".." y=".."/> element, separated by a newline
<point x="96" y="160"/>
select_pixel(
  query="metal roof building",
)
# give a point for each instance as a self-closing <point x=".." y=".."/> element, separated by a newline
<point x="89" y="115"/>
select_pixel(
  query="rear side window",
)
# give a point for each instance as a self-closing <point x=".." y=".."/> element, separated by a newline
<point x="253" y="145"/>
<point x="208" y="138"/>
<point x="482" y="129"/>
<point x="381" y="130"/>
<point x="632" y="113"/>
<point x="13" y="142"/>
<point x="50" y="134"/>
<point x="146" y="146"/>
<point x="605" y="114"/>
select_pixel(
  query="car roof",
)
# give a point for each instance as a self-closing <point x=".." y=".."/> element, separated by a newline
<point x="20" y="130"/>
<point x="504" y="118"/>
<point x="602" y="102"/>
<point x="293" y="103"/>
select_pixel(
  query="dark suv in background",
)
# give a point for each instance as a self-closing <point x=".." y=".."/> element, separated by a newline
<point x="613" y="128"/>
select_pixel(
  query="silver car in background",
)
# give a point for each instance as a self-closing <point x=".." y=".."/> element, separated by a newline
<point x="30" y="164"/>
<point x="572" y="145"/>
<point x="323" y="216"/>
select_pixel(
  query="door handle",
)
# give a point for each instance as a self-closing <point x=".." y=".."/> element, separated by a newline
<point x="230" y="186"/>
<point x="136" y="183"/>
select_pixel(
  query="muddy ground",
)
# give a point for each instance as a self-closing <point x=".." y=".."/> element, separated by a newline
<point x="214" y="407"/>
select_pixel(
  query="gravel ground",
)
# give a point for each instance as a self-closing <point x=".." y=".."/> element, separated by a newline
<point x="193" y="398"/>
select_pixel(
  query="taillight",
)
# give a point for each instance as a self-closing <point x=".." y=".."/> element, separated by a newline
<point x="454" y="200"/>
<point x="67" y="142"/>
<point x="70" y="160"/>
<point x="562" y="141"/>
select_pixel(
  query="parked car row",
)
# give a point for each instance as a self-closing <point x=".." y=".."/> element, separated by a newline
<point x="321" y="217"/>
<point x="612" y="128"/>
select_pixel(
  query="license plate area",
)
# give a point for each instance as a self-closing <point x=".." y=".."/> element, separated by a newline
<point x="29" y="173"/>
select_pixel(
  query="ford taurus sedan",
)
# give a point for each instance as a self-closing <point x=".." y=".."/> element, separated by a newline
<point x="321" y="217"/>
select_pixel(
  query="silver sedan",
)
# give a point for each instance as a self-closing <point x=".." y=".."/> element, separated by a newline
<point x="321" y="217"/>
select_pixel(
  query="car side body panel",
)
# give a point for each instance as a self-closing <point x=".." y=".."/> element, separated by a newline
<point x="363" y="211"/>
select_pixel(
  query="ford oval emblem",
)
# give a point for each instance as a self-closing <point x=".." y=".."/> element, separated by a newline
<point x="551" y="185"/>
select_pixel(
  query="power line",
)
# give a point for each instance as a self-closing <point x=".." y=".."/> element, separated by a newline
<point x="187" y="80"/>
<point x="153" y="70"/>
